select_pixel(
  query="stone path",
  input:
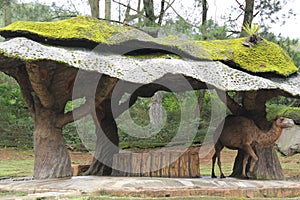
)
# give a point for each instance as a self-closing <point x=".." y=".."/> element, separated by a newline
<point x="152" y="187"/>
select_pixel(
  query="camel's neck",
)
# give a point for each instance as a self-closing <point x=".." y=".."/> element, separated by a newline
<point x="269" y="137"/>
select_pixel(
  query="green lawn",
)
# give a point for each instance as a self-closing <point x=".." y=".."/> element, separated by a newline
<point x="15" y="163"/>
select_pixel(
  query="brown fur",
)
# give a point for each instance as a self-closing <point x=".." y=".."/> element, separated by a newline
<point x="241" y="133"/>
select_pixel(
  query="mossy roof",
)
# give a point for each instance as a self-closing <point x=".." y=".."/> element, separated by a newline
<point x="145" y="71"/>
<point x="73" y="28"/>
<point x="261" y="58"/>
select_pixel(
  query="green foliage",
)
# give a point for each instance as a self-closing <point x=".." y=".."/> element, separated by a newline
<point x="140" y="116"/>
<point x="178" y="123"/>
<point x="251" y="29"/>
<point x="209" y="31"/>
<point x="274" y="110"/>
<point x="178" y="27"/>
<point x="70" y="132"/>
<point x="16" y="125"/>
<point x="212" y="31"/>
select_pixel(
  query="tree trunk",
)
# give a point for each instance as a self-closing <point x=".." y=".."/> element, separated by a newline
<point x="149" y="11"/>
<point x="139" y="13"/>
<point x="268" y="165"/>
<point x="204" y="11"/>
<point x="161" y="13"/>
<point x="94" y="5"/>
<point x="108" y="9"/>
<point x="51" y="155"/>
<point x="156" y="114"/>
<point x="248" y="15"/>
<point x="7" y="12"/>
<point x="107" y="142"/>
<point x="201" y="101"/>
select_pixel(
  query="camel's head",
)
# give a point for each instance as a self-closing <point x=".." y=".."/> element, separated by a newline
<point x="283" y="122"/>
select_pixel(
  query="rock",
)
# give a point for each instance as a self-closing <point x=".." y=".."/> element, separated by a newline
<point x="289" y="142"/>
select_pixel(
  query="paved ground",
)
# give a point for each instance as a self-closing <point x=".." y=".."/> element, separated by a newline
<point x="151" y="187"/>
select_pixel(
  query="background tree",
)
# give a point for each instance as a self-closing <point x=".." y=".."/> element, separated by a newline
<point x="263" y="11"/>
<point x="107" y="9"/>
<point x="7" y="12"/>
<point x="248" y="15"/>
<point x="94" y="6"/>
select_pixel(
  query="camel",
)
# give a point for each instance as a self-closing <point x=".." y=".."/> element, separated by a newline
<point x="242" y="133"/>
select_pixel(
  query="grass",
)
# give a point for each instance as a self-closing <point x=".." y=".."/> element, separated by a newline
<point x="16" y="168"/>
<point x="227" y="159"/>
<point x="18" y="194"/>
<point x="205" y="170"/>
<point x="15" y="163"/>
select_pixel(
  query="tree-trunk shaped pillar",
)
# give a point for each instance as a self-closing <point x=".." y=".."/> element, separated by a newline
<point x="107" y="141"/>
<point x="51" y="155"/>
<point x="45" y="92"/>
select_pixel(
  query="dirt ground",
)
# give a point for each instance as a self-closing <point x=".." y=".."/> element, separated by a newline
<point x="11" y="156"/>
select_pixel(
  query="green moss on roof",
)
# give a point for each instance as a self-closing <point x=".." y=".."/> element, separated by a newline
<point x="81" y="27"/>
<point x="263" y="57"/>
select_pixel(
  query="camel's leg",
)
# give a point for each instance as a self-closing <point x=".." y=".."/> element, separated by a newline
<point x="245" y="160"/>
<point x="219" y="164"/>
<point x="218" y="149"/>
<point x="248" y="149"/>
<point x="213" y="165"/>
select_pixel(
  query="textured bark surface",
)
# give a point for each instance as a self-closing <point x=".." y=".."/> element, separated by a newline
<point x="47" y="93"/>
<point x="94" y="5"/>
<point x="248" y="14"/>
<point x="268" y="165"/>
<point x="107" y="141"/>
<point x="51" y="155"/>
<point x="168" y="163"/>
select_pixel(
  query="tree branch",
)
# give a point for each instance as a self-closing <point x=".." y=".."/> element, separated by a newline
<point x="129" y="17"/>
<point x="74" y="115"/>
<point x="127" y="6"/>
<point x="241" y="6"/>
<point x="170" y="6"/>
<point x="233" y="106"/>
